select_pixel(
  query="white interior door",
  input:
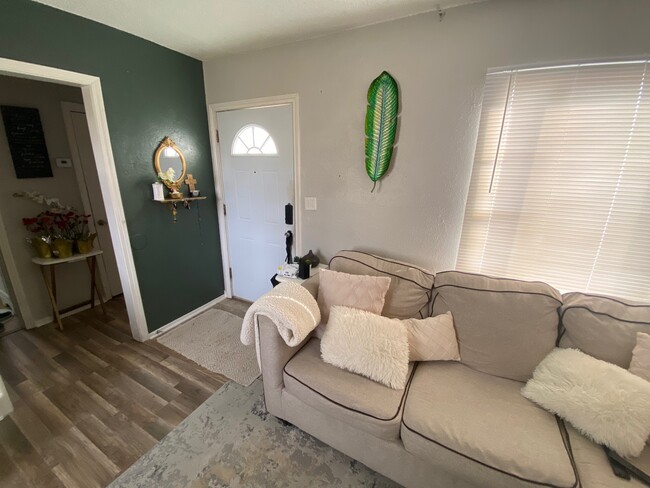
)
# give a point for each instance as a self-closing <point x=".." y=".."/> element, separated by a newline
<point x="91" y="195"/>
<point x="256" y="153"/>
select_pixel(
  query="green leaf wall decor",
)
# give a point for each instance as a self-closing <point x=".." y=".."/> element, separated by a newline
<point x="381" y="125"/>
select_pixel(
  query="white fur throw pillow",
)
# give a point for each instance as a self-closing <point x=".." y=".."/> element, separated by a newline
<point x="432" y="339"/>
<point x="367" y="344"/>
<point x="605" y="402"/>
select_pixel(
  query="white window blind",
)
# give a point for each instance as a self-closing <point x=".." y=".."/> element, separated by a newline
<point x="560" y="188"/>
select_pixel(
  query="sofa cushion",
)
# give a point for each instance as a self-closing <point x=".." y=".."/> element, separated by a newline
<point x="358" y="401"/>
<point x="505" y="327"/>
<point x="357" y="291"/>
<point x="606" y="402"/>
<point x="432" y="339"/>
<point x="593" y="467"/>
<point x="367" y="344"/>
<point x="409" y="293"/>
<point x="640" y="364"/>
<point x="501" y="438"/>
<point x="603" y="327"/>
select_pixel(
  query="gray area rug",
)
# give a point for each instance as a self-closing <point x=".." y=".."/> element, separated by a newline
<point x="231" y="441"/>
<point x="212" y="340"/>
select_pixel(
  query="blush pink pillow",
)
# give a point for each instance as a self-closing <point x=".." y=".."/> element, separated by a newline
<point x="432" y="339"/>
<point x="355" y="291"/>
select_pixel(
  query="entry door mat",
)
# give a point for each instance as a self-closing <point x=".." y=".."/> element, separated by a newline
<point x="212" y="340"/>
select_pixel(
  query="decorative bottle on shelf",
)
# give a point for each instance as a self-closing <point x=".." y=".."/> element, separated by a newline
<point x="158" y="191"/>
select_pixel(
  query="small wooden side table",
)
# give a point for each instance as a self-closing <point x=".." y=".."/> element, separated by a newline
<point x="50" y="283"/>
<point x="295" y="279"/>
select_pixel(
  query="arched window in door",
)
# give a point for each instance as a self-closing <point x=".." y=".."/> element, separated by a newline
<point x="253" y="140"/>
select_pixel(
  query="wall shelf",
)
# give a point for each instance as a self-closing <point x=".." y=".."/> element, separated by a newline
<point x="173" y="203"/>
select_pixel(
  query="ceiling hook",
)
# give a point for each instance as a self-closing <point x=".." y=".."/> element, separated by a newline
<point x="441" y="13"/>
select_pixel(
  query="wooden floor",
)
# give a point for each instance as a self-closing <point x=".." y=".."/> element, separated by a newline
<point x="89" y="401"/>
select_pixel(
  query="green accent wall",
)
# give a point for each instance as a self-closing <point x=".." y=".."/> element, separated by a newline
<point x="149" y="92"/>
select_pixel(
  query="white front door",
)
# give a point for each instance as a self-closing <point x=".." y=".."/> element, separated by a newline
<point x="91" y="195"/>
<point x="256" y="152"/>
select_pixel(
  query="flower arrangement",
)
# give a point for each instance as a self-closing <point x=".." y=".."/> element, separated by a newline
<point x="168" y="176"/>
<point x="81" y="229"/>
<point x="57" y="227"/>
<point x="43" y="200"/>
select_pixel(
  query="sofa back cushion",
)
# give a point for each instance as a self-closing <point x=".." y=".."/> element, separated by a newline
<point x="505" y="327"/>
<point x="603" y="327"/>
<point x="410" y="289"/>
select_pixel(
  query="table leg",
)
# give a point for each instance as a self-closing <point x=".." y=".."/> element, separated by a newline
<point x="92" y="265"/>
<point x="53" y="279"/>
<point x="51" y="291"/>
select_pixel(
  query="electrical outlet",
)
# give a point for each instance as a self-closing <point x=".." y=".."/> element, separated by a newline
<point x="63" y="163"/>
<point x="310" y="203"/>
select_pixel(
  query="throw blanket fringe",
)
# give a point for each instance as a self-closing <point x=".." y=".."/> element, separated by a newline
<point x="291" y="307"/>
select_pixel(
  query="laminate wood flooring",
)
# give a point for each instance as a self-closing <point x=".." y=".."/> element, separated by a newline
<point x="89" y="401"/>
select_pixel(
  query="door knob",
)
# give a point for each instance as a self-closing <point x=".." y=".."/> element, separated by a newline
<point x="101" y="222"/>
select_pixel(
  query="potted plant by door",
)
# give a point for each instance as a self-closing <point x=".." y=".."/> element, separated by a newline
<point x="41" y="228"/>
<point x="83" y="238"/>
<point x="64" y="234"/>
<point x="58" y="228"/>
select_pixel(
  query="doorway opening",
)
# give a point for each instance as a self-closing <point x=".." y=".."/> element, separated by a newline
<point x="10" y="318"/>
<point x="256" y="157"/>
<point x="88" y="140"/>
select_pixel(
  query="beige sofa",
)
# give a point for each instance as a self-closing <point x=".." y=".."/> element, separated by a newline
<point x="457" y="424"/>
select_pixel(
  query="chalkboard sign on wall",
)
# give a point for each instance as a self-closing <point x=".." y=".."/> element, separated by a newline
<point x="26" y="142"/>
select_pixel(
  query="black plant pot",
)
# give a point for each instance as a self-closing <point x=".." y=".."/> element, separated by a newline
<point x="312" y="258"/>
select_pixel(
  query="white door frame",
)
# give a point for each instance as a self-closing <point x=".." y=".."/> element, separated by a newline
<point x="100" y="138"/>
<point x="213" y="108"/>
<point x="67" y="108"/>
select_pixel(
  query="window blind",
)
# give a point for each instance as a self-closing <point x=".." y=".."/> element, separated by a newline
<point x="560" y="188"/>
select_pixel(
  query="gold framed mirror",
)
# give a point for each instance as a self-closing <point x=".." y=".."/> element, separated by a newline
<point x="170" y="166"/>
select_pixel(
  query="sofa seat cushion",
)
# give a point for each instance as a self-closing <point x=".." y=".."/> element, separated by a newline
<point x="593" y="467"/>
<point x="499" y="437"/>
<point x="358" y="401"/>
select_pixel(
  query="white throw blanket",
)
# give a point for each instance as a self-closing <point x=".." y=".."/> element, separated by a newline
<point x="291" y="307"/>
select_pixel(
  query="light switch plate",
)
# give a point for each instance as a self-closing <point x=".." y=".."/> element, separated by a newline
<point x="310" y="203"/>
<point x="63" y="163"/>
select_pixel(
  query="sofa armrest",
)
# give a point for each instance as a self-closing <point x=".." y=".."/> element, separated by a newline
<point x="312" y="285"/>
<point x="274" y="355"/>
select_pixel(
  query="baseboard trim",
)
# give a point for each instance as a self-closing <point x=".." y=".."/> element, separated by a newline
<point x="49" y="320"/>
<point x="181" y="320"/>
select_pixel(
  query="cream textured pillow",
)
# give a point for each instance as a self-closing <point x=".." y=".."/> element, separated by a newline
<point x="432" y="339"/>
<point x="640" y="364"/>
<point x="355" y="291"/>
<point x="605" y="402"/>
<point x="367" y="344"/>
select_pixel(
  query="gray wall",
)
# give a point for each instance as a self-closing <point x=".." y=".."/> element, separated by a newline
<point x="417" y="211"/>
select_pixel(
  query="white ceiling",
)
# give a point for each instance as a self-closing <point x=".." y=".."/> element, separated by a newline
<point x="207" y="28"/>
